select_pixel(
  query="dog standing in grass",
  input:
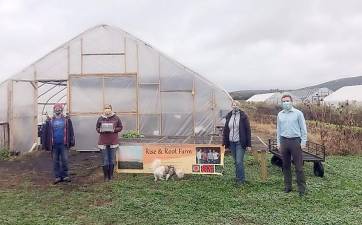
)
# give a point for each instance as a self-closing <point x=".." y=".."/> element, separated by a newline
<point x="165" y="172"/>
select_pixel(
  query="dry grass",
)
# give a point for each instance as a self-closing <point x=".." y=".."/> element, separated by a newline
<point x="339" y="140"/>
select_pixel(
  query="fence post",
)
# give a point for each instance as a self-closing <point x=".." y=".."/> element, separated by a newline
<point x="263" y="167"/>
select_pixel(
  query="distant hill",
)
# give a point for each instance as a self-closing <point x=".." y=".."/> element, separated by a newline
<point x="332" y="85"/>
<point x="337" y="84"/>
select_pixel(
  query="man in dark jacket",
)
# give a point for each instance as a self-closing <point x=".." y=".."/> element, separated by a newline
<point x="237" y="137"/>
<point x="58" y="137"/>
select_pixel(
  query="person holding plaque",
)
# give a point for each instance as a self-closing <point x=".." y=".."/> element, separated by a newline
<point x="108" y="126"/>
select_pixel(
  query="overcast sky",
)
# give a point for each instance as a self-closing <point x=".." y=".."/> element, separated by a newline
<point x="238" y="44"/>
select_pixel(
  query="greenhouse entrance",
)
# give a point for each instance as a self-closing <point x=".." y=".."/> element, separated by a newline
<point x="87" y="96"/>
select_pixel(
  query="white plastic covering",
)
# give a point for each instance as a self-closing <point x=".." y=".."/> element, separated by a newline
<point x="86" y="94"/>
<point x="75" y="58"/>
<point x="95" y="64"/>
<point x="131" y="56"/>
<point x="260" y="97"/>
<point x="222" y="106"/>
<point x="204" y="116"/>
<point x="149" y="99"/>
<point x="120" y="92"/>
<point x="23" y="125"/>
<point x="174" y="77"/>
<point x="54" y="66"/>
<point x="86" y="136"/>
<point x="4" y="102"/>
<point x="148" y="60"/>
<point x="150" y="124"/>
<point x="129" y="122"/>
<point x="27" y="74"/>
<point x="271" y="98"/>
<point x="103" y="40"/>
<point x="177" y="110"/>
<point x="347" y="94"/>
<point x="107" y="65"/>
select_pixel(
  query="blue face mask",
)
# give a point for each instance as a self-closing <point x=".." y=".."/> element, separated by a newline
<point x="287" y="105"/>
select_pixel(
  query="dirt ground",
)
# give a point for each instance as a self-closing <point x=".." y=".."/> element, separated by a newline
<point x="84" y="168"/>
<point x="36" y="168"/>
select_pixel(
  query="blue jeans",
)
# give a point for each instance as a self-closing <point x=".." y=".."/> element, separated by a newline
<point x="238" y="154"/>
<point x="108" y="156"/>
<point x="60" y="161"/>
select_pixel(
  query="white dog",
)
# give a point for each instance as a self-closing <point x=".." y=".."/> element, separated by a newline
<point x="161" y="172"/>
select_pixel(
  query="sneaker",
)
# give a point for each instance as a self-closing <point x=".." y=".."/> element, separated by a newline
<point x="301" y="194"/>
<point x="57" y="180"/>
<point x="66" y="179"/>
<point x="287" y="190"/>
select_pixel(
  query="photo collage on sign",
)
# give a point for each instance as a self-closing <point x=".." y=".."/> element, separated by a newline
<point x="208" y="160"/>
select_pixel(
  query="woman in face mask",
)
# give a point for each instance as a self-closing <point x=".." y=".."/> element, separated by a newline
<point x="108" y="126"/>
<point x="237" y="137"/>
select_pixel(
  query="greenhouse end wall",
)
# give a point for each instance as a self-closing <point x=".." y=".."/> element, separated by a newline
<point x="149" y="91"/>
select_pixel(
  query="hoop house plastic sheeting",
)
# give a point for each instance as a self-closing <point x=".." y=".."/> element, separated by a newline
<point x="131" y="56"/>
<point x="86" y="94"/>
<point x="120" y="92"/>
<point x="53" y="66"/>
<point x="4" y="102"/>
<point x="204" y="116"/>
<point x="174" y="77"/>
<point x="103" y="64"/>
<point x="23" y="126"/>
<point x="149" y="91"/>
<point x="222" y="105"/>
<point x="85" y="132"/>
<point x="103" y="41"/>
<point x="149" y="99"/>
<point x="177" y="108"/>
<point x="148" y="65"/>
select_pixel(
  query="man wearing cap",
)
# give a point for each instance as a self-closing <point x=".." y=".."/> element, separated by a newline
<point x="58" y="137"/>
<point x="291" y="138"/>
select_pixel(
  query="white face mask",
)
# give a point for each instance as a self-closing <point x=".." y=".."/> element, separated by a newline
<point x="287" y="105"/>
<point x="108" y="111"/>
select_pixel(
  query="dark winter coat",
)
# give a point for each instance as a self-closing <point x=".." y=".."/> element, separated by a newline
<point x="47" y="134"/>
<point x="109" y="138"/>
<point x="244" y="130"/>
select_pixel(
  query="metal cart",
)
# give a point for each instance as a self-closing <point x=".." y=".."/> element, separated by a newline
<point x="313" y="152"/>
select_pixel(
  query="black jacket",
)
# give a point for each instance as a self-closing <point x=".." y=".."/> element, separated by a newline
<point x="47" y="134"/>
<point x="244" y="131"/>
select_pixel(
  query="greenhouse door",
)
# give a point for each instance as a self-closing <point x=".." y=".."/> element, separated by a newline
<point x="87" y="96"/>
<point x="23" y="116"/>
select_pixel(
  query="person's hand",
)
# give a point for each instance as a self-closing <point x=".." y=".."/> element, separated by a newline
<point x="278" y="146"/>
<point x="303" y="145"/>
<point x="248" y="149"/>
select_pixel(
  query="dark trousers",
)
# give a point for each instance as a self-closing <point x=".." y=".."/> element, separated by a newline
<point x="60" y="160"/>
<point x="290" y="148"/>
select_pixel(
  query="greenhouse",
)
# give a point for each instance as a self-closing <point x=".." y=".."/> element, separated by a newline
<point x="150" y="92"/>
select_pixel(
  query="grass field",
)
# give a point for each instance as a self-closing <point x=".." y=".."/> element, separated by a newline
<point x="136" y="199"/>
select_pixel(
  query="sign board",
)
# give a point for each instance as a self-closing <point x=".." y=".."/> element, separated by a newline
<point x="191" y="158"/>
